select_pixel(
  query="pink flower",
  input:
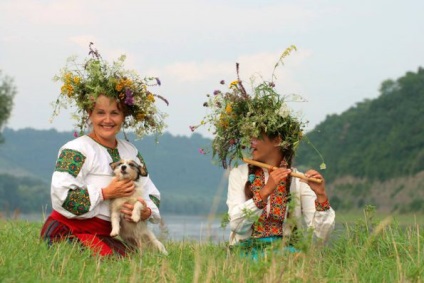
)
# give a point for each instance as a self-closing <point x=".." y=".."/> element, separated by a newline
<point x="201" y="151"/>
<point x="192" y="128"/>
<point x="76" y="134"/>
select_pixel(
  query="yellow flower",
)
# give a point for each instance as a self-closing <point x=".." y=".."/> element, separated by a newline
<point x="76" y="80"/>
<point x="228" y="108"/>
<point x="223" y="121"/>
<point x="150" y="98"/>
<point x="140" y="116"/>
<point x="234" y="83"/>
<point x="128" y="82"/>
<point x="67" y="89"/>
<point x="63" y="89"/>
<point x="119" y="87"/>
<point x="68" y="77"/>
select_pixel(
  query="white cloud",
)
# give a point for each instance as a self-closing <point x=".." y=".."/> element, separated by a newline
<point x="47" y="12"/>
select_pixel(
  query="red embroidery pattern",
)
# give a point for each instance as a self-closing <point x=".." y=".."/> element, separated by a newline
<point x="322" y="206"/>
<point x="269" y="224"/>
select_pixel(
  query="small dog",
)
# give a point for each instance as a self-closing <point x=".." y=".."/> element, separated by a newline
<point x="136" y="233"/>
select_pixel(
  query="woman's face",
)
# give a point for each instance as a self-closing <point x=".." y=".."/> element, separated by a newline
<point x="106" y="118"/>
<point x="264" y="148"/>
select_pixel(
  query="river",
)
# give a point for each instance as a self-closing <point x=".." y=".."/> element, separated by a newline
<point x="192" y="227"/>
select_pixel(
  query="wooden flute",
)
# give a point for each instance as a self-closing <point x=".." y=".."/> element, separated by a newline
<point x="270" y="167"/>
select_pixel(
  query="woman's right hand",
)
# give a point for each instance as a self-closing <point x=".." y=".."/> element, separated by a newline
<point x="118" y="188"/>
<point x="275" y="178"/>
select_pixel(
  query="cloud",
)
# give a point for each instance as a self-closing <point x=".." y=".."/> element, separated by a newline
<point x="47" y="13"/>
<point x="259" y="65"/>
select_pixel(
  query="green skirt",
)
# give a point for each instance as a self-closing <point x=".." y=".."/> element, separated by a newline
<point x="256" y="248"/>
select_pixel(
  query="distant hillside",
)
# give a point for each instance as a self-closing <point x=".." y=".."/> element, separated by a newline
<point x="187" y="180"/>
<point x="373" y="145"/>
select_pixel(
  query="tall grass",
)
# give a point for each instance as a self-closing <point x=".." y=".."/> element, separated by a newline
<point x="366" y="250"/>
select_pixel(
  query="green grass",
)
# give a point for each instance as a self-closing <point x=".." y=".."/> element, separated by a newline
<point x="364" y="250"/>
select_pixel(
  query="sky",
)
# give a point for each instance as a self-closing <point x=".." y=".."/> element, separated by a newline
<point x="345" y="50"/>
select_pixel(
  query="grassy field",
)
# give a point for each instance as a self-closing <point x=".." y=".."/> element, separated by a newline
<point x="367" y="249"/>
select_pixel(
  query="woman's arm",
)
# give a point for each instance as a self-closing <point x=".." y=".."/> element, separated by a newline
<point x="71" y="196"/>
<point x="242" y="213"/>
<point x="322" y="222"/>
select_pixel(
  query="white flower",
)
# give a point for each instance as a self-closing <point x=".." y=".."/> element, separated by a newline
<point x="284" y="110"/>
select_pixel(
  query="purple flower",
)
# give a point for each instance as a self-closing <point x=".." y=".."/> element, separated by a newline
<point x="192" y="128"/>
<point x="201" y="151"/>
<point x="216" y="92"/>
<point x="157" y="81"/>
<point x="222" y="82"/>
<point x="129" y="99"/>
<point x="75" y="134"/>
<point x="272" y="84"/>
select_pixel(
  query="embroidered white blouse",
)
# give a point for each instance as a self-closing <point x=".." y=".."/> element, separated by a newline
<point x="83" y="169"/>
<point x="322" y="222"/>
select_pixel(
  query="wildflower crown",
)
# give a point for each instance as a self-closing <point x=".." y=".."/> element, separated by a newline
<point x="82" y="84"/>
<point x="235" y="117"/>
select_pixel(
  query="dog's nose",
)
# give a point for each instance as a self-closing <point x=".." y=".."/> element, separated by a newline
<point x="123" y="167"/>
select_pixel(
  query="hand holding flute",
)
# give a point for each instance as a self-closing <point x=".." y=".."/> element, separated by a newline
<point x="312" y="177"/>
<point x="270" y="167"/>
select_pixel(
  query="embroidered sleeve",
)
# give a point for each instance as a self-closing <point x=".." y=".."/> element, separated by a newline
<point x="70" y="161"/>
<point x="259" y="202"/>
<point x="143" y="163"/>
<point x="155" y="200"/>
<point x="322" y="206"/>
<point x="114" y="154"/>
<point x="77" y="201"/>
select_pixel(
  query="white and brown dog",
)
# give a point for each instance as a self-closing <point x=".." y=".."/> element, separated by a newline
<point x="136" y="233"/>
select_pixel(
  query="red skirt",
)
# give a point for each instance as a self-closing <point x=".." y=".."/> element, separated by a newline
<point x="92" y="233"/>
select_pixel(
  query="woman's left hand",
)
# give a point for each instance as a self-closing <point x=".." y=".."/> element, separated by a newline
<point x="318" y="188"/>
<point x="127" y="209"/>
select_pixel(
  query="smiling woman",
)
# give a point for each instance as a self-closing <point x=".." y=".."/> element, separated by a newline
<point x="84" y="83"/>
<point x="107" y="99"/>
<point x="106" y="118"/>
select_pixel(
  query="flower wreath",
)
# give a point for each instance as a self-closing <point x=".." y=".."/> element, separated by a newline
<point x="236" y="116"/>
<point x="83" y="83"/>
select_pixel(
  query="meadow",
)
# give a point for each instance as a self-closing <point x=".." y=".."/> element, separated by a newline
<point x="366" y="249"/>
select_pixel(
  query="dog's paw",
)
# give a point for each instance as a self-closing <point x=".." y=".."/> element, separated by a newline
<point x="135" y="217"/>
<point x="162" y="248"/>
<point x="114" y="233"/>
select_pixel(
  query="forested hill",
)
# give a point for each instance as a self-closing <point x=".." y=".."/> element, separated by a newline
<point x="376" y="139"/>
<point x="374" y="151"/>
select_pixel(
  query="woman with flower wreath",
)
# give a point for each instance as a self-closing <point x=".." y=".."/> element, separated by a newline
<point x="108" y="98"/>
<point x="265" y="206"/>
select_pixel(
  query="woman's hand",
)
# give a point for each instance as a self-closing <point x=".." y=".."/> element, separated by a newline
<point x="275" y="178"/>
<point x="318" y="188"/>
<point x="127" y="209"/>
<point x="118" y="188"/>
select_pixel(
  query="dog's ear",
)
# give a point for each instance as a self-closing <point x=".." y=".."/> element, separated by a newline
<point x="113" y="165"/>
<point x="141" y="170"/>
